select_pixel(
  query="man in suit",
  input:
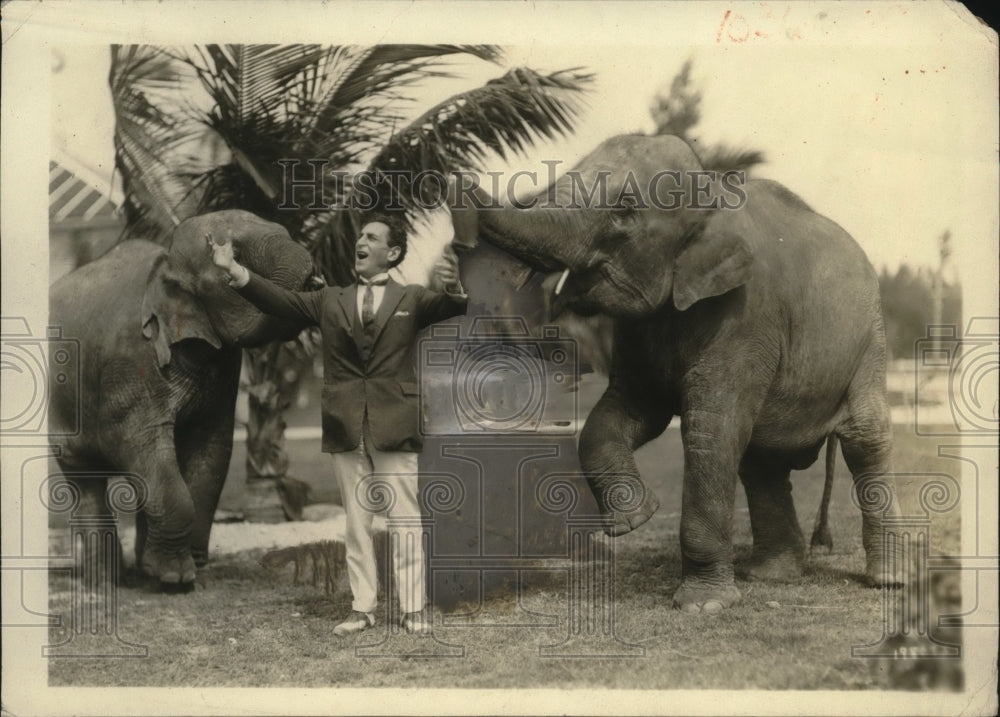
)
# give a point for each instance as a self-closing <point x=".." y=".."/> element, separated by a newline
<point x="370" y="398"/>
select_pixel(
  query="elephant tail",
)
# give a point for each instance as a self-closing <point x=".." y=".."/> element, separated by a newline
<point x="821" y="533"/>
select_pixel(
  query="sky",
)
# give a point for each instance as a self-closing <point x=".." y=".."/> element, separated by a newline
<point x="888" y="133"/>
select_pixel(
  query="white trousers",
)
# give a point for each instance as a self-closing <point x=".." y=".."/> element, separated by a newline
<point x="371" y="481"/>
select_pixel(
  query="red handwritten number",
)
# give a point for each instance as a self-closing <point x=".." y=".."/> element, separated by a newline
<point x="734" y="23"/>
<point x="722" y="26"/>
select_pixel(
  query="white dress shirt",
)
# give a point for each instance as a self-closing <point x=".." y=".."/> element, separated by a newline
<point x="378" y="292"/>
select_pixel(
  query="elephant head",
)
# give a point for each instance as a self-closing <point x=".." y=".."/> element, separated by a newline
<point x="187" y="296"/>
<point x="635" y="226"/>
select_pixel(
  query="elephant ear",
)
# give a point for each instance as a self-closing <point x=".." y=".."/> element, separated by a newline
<point x="715" y="262"/>
<point x="171" y="314"/>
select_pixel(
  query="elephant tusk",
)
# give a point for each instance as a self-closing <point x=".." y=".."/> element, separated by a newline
<point x="562" y="281"/>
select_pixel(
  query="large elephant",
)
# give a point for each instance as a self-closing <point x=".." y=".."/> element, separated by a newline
<point x="160" y="337"/>
<point x="737" y="308"/>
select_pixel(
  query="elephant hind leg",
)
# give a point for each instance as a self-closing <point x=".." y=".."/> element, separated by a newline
<point x="866" y="440"/>
<point x="204" y="448"/>
<point x="778" y="544"/>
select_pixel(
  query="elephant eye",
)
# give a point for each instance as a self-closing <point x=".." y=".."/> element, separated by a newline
<point x="622" y="216"/>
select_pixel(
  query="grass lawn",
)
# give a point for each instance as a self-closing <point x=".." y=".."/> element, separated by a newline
<point x="243" y="626"/>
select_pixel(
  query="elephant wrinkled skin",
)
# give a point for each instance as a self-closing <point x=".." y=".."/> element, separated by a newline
<point x="759" y="325"/>
<point x="160" y="340"/>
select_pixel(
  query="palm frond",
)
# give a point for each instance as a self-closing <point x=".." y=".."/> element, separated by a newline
<point x="503" y="117"/>
<point x="363" y="85"/>
<point x="145" y="133"/>
<point x="333" y="236"/>
<point x="385" y="66"/>
<point x="246" y="81"/>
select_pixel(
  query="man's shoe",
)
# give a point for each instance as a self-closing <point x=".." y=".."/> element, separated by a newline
<point x="417" y="623"/>
<point x="355" y="622"/>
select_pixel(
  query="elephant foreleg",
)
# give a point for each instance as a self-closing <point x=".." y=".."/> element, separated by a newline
<point x="203" y="453"/>
<point x="168" y="514"/>
<point x="721" y="401"/>
<point x="711" y="458"/>
<point x="616" y="427"/>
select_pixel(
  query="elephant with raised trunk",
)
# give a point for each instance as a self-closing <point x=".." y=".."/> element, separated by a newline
<point x="737" y="308"/>
<point x="160" y="337"/>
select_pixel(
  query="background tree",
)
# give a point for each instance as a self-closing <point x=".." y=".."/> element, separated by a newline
<point x="908" y="306"/>
<point x="207" y="128"/>
<point x="676" y="109"/>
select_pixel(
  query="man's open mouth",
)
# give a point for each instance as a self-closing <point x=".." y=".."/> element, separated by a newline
<point x="361" y="254"/>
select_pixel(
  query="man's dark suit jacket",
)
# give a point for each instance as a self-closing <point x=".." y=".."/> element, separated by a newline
<point x="373" y="371"/>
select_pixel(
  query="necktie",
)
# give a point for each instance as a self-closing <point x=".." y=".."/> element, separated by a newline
<point x="368" y="304"/>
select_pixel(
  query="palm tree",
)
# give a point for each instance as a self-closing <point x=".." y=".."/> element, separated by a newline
<point x="214" y="127"/>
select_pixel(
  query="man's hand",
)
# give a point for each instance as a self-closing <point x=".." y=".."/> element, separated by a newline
<point x="222" y="257"/>
<point x="446" y="272"/>
<point x="222" y="252"/>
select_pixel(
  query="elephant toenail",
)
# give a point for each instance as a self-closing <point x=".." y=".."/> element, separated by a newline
<point x="690" y="608"/>
<point x="712" y="606"/>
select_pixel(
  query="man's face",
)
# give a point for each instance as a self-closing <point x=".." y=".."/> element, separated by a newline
<point x="372" y="253"/>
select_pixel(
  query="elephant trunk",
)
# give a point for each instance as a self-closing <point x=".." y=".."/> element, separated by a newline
<point x="543" y="236"/>
<point x="277" y="258"/>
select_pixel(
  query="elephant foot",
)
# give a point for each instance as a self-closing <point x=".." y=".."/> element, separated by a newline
<point x="625" y="505"/>
<point x="200" y="558"/>
<point x="173" y="571"/>
<point x="695" y="596"/>
<point x="883" y="573"/>
<point x="782" y="567"/>
<point x="627" y="522"/>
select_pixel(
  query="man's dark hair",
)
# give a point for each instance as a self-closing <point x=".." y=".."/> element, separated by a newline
<point x="398" y="229"/>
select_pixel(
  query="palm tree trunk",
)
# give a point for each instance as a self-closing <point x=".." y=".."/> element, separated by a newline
<point x="274" y="374"/>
